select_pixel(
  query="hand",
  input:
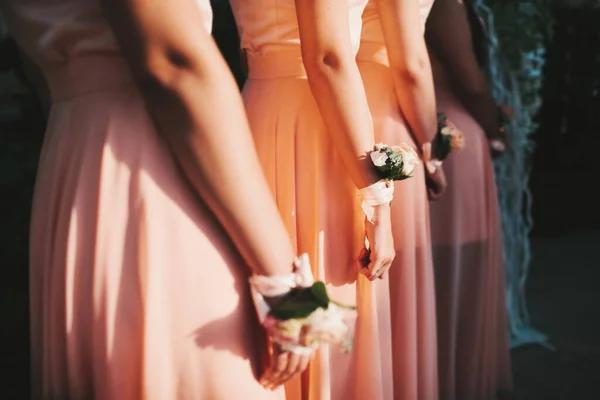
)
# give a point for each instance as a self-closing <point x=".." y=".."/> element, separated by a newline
<point x="283" y="366"/>
<point x="436" y="183"/>
<point x="375" y="261"/>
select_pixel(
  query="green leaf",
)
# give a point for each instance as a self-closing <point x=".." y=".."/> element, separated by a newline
<point x="319" y="292"/>
<point x="299" y="303"/>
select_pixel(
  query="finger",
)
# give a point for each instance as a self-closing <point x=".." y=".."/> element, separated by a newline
<point x="279" y="361"/>
<point x="279" y="368"/>
<point x="375" y="269"/>
<point x="304" y="360"/>
<point x="290" y="369"/>
<point x="432" y="185"/>
<point x="432" y="194"/>
<point x="385" y="270"/>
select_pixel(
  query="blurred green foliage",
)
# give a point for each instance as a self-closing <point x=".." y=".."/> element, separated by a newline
<point x="522" y="26"/>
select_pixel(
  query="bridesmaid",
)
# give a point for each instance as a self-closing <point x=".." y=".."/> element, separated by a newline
<point x="311" y="125"/>
<point x="474" y="359"/>
<point x="140" y="238"/>
<point x="396" y="72"/>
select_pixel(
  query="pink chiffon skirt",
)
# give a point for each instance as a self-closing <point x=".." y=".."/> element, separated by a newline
<point x="136" y="292"/>
<point x="319" y="204"/>
<point x="474" y="358"/>
<point x="411" y="280"/>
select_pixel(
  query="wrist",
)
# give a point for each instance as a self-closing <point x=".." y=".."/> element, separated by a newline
<point x="431" y="163"/>
<point x="369" y="176"/>
<point x="302" y="316"/>
<point x="376" y="197"/>
<point x="390" y="163"/>
<point x="381" y="213"/>
<point x="275" y="259"/>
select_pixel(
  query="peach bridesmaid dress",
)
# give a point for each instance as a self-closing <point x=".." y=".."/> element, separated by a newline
<point x="315" y="195"/>
<point x="136" y="292"/>
<point x="474" y="359"/>
<point x="411" y="280"/>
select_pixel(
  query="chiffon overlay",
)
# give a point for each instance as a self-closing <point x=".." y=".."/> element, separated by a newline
<point x="474" y="361"/>
<point x="411" y="281"/>
<point x="315" y="196"/>
<point x="136" y="292"/>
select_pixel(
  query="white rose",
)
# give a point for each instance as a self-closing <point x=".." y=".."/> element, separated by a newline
<point x="409" y="158"/>
<point x="324" y="326"/>
<point x="379" y="146"/>
<point x="447" y="130"/>
<point x="378" y="158"/>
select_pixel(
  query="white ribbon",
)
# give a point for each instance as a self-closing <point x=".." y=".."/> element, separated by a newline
<point x="296" y="348"/>
<point x="381" y="192"/>
<point x="262" y="286"/>
<point x="431" y="164"/>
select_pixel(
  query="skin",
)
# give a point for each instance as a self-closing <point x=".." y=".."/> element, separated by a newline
<point x="337" y="87"/>
<point x="196" y="107"/>
<point x="447" y="35"/>
<point x="413" y="79"/>
<point x="409" y="62"/>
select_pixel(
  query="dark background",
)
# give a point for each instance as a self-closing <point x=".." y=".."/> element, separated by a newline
<point x="564" y="286"/>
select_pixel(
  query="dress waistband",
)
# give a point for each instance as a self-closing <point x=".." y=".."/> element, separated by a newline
<point x="372" y="52"/>
<point x="88" y="74"/>
<point x="276" y="64"/>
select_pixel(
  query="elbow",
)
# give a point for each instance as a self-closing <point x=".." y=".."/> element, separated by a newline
<point x="154" y="75"/>
<point x="162" y="70"/>
<point x="412" y="72"/>
<point x="325" y="62"/>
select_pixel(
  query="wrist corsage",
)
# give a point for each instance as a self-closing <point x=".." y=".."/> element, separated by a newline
<point x="393" y="163"/>
<point x="297" y="312"/>
<point x="447" y="138"/>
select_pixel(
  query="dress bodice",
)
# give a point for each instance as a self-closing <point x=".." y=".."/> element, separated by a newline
<point x="372" y="31"/>
<point x="73" y="44"/>
<point x="271" y="25"/>
<point x="54" y="31"/>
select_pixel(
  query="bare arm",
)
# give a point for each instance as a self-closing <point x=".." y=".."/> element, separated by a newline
<point x="449" y="38"/>
<point x="339" y="92"/>
<point x="197" y="109"/>
<point x="336" y="83"/>
<point x="410" y="66"/>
